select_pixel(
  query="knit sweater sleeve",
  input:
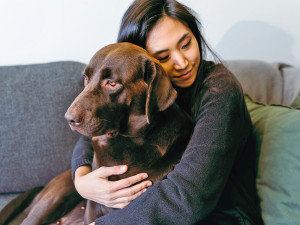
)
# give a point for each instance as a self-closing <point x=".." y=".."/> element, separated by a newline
<point x="192" y="190"/>
<point x="82" y="153"/>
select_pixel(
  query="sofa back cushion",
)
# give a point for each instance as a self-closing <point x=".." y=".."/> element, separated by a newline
<point x="260" y="80"/>
<point x="36" y="142"/>
<point x="277" y="130"/>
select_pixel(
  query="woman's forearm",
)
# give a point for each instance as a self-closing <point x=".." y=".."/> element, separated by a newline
<point x="82" y="154"/>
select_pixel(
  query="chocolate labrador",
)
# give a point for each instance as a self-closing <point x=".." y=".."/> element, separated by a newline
<point x="128" y="108"/>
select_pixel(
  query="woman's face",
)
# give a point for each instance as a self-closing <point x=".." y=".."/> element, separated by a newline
<point x="175" y="46"/>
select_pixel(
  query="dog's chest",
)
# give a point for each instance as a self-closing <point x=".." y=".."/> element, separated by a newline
<point x="124" y="151"/>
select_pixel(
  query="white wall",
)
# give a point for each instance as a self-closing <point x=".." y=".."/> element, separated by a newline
<point x="252" y="29"/>
<point x="35" y="31"/>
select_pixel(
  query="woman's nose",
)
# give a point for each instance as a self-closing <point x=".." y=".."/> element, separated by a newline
<point x="180" y="61"/>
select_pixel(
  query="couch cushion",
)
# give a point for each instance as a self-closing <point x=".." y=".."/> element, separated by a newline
<point x="291" y="88"/>
<point x="277" y="130"/>
<point x="260" y="80"/>
<point x="6" y="198"/>
<point x="296" y="102"/>
<point x="36" y="142"/>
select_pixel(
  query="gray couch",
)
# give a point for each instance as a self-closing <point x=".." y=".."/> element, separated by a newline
<point x="36" y="143"/>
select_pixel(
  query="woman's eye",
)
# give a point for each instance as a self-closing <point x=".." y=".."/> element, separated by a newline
<point x="186" y="45"/>
<point x="163" y="59"/>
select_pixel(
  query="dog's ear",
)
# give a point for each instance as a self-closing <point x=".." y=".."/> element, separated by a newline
<point x="161" y="93"/>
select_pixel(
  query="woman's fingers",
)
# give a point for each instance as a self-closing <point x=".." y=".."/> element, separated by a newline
<point x="131" y="192"/>
<point x="122" y="202"/>
<point x="125" y="196"/>
<point x="117" y="194"/>
<point x="129" y="181"/>
<point x="105" y="172"/>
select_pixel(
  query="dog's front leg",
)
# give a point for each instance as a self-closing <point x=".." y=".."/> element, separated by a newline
<point x="94" y="211"/>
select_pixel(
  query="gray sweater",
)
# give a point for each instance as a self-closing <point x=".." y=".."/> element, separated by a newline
<point x="214" y="183"/>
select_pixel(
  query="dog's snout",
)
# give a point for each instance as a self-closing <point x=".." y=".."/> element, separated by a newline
<point x="74" y="119"/>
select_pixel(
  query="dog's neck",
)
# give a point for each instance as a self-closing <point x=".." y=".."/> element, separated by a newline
<point x="139" y="127"/>
<point x="137" y="124"/>
<point x="139" y="130"/>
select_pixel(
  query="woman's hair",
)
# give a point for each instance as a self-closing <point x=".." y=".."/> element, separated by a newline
<point x="143" y="15"/>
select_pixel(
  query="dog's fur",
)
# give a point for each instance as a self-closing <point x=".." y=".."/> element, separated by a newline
<point x="128" y="107"/>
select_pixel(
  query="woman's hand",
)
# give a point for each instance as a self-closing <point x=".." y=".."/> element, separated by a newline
<point x="95" y="185"/>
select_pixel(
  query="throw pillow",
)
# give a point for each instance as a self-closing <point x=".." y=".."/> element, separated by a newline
<point x="277" y="129"/>
<point x="296" y="103"/>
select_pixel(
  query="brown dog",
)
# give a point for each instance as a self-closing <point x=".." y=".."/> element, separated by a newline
<point x="128" y="107"/>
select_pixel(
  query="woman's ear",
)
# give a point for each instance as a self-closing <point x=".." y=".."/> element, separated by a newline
<point x="161" y="94"/>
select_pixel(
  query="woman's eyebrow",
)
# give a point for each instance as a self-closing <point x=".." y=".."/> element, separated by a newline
<point x="180" y="40"/>
<point x="183" y="37"/>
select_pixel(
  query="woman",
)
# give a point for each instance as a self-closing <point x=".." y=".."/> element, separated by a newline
<point x="215" y="181"/>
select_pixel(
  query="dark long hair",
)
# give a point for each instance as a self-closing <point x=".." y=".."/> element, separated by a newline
<point x="143" y="15"/>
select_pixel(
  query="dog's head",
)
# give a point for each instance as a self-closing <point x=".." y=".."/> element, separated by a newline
<point x="124" y="88"/>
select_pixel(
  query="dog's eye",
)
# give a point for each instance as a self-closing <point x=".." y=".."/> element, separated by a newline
<point x="111" y="86"/>
<point x="110" y="83"/>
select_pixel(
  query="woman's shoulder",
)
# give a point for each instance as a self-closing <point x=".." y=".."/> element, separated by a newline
<point x="219" y="79"/>
<point x="221" y="88"/>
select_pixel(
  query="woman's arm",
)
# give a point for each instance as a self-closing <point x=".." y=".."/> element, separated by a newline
<point x="82" y="155"/>
<point x="192" y="190"/>
<point x="95" y="185"/>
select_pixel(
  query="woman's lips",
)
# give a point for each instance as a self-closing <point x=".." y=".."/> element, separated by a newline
<point x="184" y="76"/>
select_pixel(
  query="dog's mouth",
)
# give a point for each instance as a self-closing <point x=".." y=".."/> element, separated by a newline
<point x="93" y="128"/>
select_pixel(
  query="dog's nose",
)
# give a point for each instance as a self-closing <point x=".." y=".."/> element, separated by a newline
<point x="74" y="119"/>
